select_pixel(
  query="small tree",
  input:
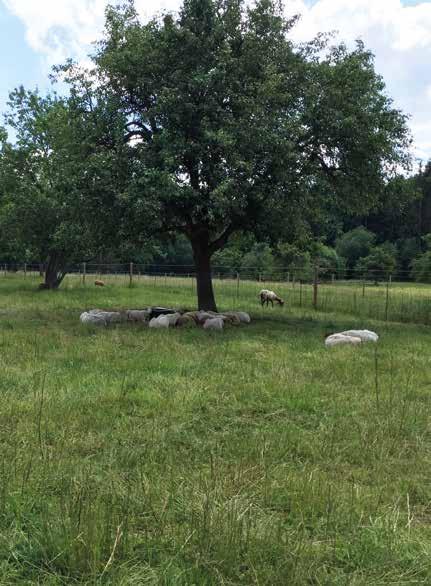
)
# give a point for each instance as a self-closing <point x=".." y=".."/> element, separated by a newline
<point x="421" y="266"/>
<point x="259" y="261"/>
<point x="379" y="264"/>
<point x="355" y="244"/>
<point x="57" y="197"/>
<point x="297" y="261"/>
<point x="328" y="261"/>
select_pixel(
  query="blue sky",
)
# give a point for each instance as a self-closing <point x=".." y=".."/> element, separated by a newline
<point x="35" y="34"/>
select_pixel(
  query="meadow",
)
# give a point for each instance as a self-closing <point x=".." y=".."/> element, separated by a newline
<point x="253" y="456"/>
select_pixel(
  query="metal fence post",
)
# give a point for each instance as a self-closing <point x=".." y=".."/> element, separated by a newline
<point x="315" y="285"/>
<point x="25" y="270"/>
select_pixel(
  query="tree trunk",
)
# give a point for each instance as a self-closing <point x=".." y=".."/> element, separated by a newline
<point x="202" y="258"/>
<point x="55" y="271"/>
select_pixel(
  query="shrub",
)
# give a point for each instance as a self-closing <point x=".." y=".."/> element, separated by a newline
<point x="421" y="268"/>
<point x="355" y="244"/>
<point x="379" y="264"/>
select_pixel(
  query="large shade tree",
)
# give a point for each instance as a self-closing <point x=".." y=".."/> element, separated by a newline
<point x="236" y="129"/>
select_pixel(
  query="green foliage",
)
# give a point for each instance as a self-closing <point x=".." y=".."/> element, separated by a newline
<point x="379" y="264"/>
<point x="230" y="258"/>
<point x="174" y="252"/>
<point x="59" y="181"/>
<point x="421" y="266"/>
<point x="408" y="249"/>
<point x="237" y="129"/>
<point x="355" y="244"/>
<point x="328" y="261"/>
<point x="295" y="260"/>
<point x="203" y="124"/>
<point x="258" y="262"/>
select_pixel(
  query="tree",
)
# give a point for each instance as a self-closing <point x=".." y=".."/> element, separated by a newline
<point x="328" y="261"/>
<point x="421" y="266"/>
<point x="355" y="244"/>
<point x="235" y="129"/>
<point x="379" y="264"/>
<point x="57" y="197"/>
<point x="408" y="249"/>
<point x="259" y="261"/>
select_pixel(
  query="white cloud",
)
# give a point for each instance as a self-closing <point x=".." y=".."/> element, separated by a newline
<point x="58" y="29"/>
<point x="400" y="37"/>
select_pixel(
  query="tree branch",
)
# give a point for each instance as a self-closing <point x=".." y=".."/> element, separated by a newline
<point x="221" y="241"/>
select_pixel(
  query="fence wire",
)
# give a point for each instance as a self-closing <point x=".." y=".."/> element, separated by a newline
<point x="373" y="295"/>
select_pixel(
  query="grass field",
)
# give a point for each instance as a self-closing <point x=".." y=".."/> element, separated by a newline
<point x="253" y="456"/>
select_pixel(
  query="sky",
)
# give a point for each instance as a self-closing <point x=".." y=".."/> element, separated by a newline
<point x="36" y="34"/>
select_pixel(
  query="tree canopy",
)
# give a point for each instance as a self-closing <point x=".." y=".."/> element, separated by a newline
<point x="235" y="128"/>
<point x="212" y="122"/>
<point x="60" y="182"/>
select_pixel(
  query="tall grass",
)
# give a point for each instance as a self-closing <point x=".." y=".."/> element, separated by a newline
<point x="254" y="456"/>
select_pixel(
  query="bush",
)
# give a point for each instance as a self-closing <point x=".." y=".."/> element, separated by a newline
<point x="355" y="244"/>
<point x="421" y="268"/>
<point x="408" y="250"/>
<point x="259" y="261"/>
<point x="329" y="262"/>
<point x="295" y="261"/>
<point x="379" y="264"/>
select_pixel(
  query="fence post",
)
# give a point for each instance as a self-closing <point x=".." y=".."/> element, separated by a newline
<point x="363" y="287"/>
<point x="333" y="278"/>
<point x="25" y="270"/>
<point x="237" y="286"/>
<point x="315" y="282"/>
<point x="130" y="274"/>
<point x="387" y="297"/>
<point x="84" y="270"/>
<point x="300" y="292"/>
<point x="288" y="278"/>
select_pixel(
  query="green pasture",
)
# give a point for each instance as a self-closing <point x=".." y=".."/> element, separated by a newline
<point x="256" y="455"/>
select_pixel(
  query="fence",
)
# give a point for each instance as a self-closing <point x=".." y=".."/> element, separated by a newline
<point x="376" y="295"/>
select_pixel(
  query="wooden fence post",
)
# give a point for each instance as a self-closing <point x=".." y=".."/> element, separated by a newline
<point x="315" y="286"/>
<point x="84" y="271"/>
<point x="25" y="270"/>
<point x="237" y="286"/>
<point x="300" y="292"/>
<point x="130" y="274"/>
<point x="387" y="297"/>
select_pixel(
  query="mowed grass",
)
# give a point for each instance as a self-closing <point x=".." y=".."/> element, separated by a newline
<point x="251" y="456"/>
